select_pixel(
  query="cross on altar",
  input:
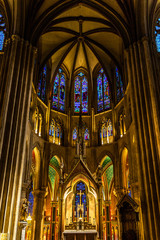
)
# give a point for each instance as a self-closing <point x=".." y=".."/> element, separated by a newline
<point x="80" y="194"/>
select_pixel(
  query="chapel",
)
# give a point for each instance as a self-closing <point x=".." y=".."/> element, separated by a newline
<point x="79" y="120"/>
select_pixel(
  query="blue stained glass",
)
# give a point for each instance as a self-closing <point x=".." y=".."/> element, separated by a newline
<point x="103" y="93"/>
<point x="62" y="93"/>
<point x="2" y="32"/>
<point x="106" y="93"/>
<point x="31" y="201"/>
<point x="84" y="95"/>
<point x="41" y="92"/>
<point x="81" y="74"/>
<point x="2" y="37"/>
<point x="44" y="74"/>
<point x="59" y="91"/>
<point x="77" y="95"/>
<point x="81" y="186"/>
<point x="55" y="92"/>
<point x="119" y="85"/>
<point x="86" y="134"/>
<point x="80" y="189"/>
<point x="157" y="34"/>
<point x="74" y="134"/>
<point x="99" y="93"/>
<point x="81" y="93"/>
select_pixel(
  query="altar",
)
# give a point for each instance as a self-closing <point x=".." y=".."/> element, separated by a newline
<point x="80" y="235"/>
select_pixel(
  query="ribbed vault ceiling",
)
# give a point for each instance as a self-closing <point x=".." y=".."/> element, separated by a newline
<point x="80" y="37"/>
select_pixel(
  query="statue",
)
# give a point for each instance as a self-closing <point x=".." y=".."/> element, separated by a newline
<point x="24" y="210"/>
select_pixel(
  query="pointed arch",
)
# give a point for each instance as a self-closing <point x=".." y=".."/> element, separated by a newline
<point x="103" y="92"/>
<point x="119" y="85"/>
<point x="58" y="93"/>
<point x="81" y="93"/>
<point x="41" y="89"/>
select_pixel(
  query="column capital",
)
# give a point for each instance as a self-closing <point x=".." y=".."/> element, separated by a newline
<point x="40" y="193"/>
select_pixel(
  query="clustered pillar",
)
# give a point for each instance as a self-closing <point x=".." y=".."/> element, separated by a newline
<point x="15" y="86"/>
<point x="145" y="108"/>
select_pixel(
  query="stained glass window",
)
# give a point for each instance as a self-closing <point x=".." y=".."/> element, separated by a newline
<point x="2" y="31"/>
<point x="103" y="93"/>
<point x="157" y="34"/>
<point x="106" y="132"/>
<point x="80" y="198"/>
<point x="110" y="130"/>
<point x="58" y="98"/>
<point x="86" y="134"/>
<point x="81" y="93"/>
<point x="55" y="132"/>
<point x="119" y="85"/>
<point x="41" y="92"/>
<point x="74" y="134"/>
<point x="30" y="200"/>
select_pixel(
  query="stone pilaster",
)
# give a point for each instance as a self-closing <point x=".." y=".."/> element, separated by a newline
<point x="17" y="76"/>
<point x="53" y="220"/>
<point x="38" y="208"/>
<point x="144" y="107"/>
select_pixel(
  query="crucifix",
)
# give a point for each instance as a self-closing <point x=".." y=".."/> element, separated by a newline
<point x="80" y="194"/>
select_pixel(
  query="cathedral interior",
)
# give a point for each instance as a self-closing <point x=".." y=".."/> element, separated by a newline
<point x="79" y="120"/>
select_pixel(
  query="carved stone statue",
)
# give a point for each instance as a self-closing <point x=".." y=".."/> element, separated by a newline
<point x="24" y="210"/>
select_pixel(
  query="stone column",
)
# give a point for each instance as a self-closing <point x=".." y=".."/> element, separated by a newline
<point x="60" y="200"/>
<point x="100" y="210"/>
<point x="37" y="214"/>
<point x="53" y="219"/>
<point x="144" y="99"/>
<point x="108" y="220"/>
<point x="16" y="79"/>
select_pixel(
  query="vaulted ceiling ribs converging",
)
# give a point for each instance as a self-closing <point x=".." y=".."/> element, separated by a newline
<point x="81" y="37"/>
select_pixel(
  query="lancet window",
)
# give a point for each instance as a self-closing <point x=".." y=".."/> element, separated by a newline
<point x="55" y="133"/>
<point x="30" y="200"/>
<point x="157" y="34"/>
<point x="103" y="92"/>
<point x="80" y="201"/>
<point x="106" y="132"/>
<point x="75" y="135"/>
<point x="58" y="97"/>
<point x="2" y="31"/>
<point x="81" y="93"/>
<point x="119" y="85"/>
<point x="41" y="91"/>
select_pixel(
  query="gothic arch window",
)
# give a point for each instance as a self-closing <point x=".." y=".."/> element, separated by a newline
<point x="2" y="31"/>
<point x="74" y="136"/>
<point x="86" y="134"/>
<point x="55" y="133"/>
<point x="41" y="92"/>
<point x="58" y="97"/>
<point x="30" y="200"/>
<point x="103" y="92"/>
<point x="157" y="34"/>
<point x="106" y="132"/>
<point x="119" y="85"/>
<point x="81" y="93"/>
<point x="80" y="200"/>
